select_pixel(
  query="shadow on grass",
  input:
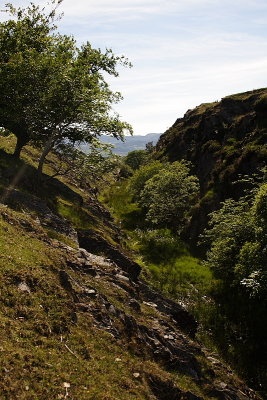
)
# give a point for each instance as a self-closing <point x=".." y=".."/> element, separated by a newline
<point x="17" y="174"/>
<point x="134" y="219"/>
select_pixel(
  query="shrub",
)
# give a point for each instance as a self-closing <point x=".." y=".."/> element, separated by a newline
<point x="141" y="176"/>
<point x="169" y="195"/>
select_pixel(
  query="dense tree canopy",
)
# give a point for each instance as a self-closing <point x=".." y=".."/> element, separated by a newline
<point x="237" y="256"/>
<point x="166" y="193"/>
<point x="136" y="158"/>
<point x="238" y="237"/>
<point x="141" y="176"/>
<point x="169" y="195"/>
<point x="51" y="89"/>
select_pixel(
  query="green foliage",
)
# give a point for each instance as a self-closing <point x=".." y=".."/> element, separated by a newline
<point x="238" y="238"/>
<point x="170" y="266"/>
<point x="150" y="147"/>
<point x="51" y="89"/>
<point x="119" y="199"/>
<point x="237" y="256"/>
<point x="167" y="262"/>
<point x="85" y="168"/>
<point x="165" y="193"/>
<point x="168" y="196"/>
<point x="141" y="176"/>
<point x="159" y="245"/>
<point x="136" y="158"/>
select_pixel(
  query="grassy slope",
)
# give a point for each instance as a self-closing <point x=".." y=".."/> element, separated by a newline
<point x="48" y="349"/>
<point x="36" y="327"/>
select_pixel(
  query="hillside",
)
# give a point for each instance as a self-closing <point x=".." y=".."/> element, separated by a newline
<point x="130" y="143"/>
<point x="224" y="141"/>
<point x="77" y="320"/>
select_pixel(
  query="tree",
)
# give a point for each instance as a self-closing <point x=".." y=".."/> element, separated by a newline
<point x="136" y="158"/>
<point x="168" y="196"/>
<point x="237" y="236"/>
<point x="25" y="41"/>
<point x="141" y="176"/>
<point x="85" y="168"/>
<point x="150" y="147"/>
<point x="51" y="89"/>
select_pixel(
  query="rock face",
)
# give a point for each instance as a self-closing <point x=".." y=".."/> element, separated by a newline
<point x="166" y="337"/>
<point x="93" y="242"/>
<point x="223" y="140"/>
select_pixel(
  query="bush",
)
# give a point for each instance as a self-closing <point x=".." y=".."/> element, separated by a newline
<point x="169" y="195"/>
<point x="141" y="176"/>
<point x="237" y="256"/>
<point x="136" y="158"/>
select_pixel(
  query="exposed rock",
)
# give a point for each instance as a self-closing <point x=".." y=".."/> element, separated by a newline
<point x="95" y="243"/>
<point x="163" y="340"/>
<point x="182" y="317"/>
<point x="65" y="280"/>
<point x="23" y="287"/>
<point x="135" y="305"/>
<point x="166" y="390"/>
<point x="222" y="140"/>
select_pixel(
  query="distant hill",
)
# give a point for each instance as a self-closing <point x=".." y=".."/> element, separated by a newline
<point x="130" y="143"/>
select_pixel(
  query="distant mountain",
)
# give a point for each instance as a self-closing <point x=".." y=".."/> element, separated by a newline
<point x="130" y="143"/>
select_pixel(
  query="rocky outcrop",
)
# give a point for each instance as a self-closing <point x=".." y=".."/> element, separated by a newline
<point x="223" y="141"/>
<point x="93" y="242"/>
<point x="163" y="337"/>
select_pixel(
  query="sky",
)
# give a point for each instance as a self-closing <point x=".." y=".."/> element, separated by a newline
<point x="184" y="52"/>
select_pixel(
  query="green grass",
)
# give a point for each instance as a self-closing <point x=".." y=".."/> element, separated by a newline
<point x="204" y="107"/>
<point x="167" y="263"/>
<point x="182" y="276"/>
<point x="119" y="200"/>
<point x="75" y="214"/>
<point x="61" y="196"/>
<point x="45" y="343"/>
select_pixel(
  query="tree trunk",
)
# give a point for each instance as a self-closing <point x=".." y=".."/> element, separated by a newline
<point x="48" y="147"/>
<point x="19" y="145"/>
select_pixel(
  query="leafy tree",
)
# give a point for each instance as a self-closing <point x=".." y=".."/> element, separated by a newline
<point x="85" y="168"/>
<point x="51" y="89"/>
<point x="150" y="147"/>
<point x="238" y="257"/>
<point x="169" y="195"/>
<point x="25" y="41"/>
<point x="238" y="237"/>
<point x="136" y="158"/>
<point x="141" y="176"/>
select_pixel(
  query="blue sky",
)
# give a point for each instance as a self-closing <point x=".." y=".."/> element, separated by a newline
<point x="184" y="52"/>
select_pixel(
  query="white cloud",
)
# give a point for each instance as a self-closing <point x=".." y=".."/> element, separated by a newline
<point x="133" y="8"/>
<point x="185" y="52"/>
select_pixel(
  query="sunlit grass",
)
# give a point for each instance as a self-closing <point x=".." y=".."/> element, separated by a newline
<point x="43" y="347"/>
<point x="166" y="261"/>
